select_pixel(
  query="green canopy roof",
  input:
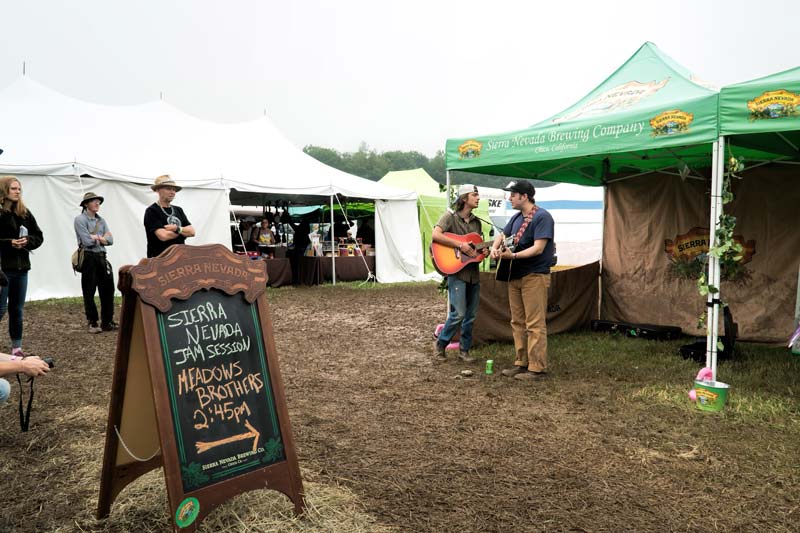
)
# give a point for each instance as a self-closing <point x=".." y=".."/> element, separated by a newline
<point x="768" y="105"/>
<point x="415" y="180"/>
<point x="650" y="114"/>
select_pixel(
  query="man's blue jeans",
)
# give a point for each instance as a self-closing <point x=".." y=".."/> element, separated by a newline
<point x="12" y="298"/>
<point x="464" y="298"/>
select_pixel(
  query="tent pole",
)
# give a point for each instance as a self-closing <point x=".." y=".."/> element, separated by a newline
<point x="447" y="186"/>
<point x="713" y="279"/>
<point x="718" y="269"/>
<point x="711" y="240"/>
<point x="333" y="259"/>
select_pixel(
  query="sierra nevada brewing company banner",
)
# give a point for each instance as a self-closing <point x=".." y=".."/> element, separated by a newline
<point x="219" y="388"/>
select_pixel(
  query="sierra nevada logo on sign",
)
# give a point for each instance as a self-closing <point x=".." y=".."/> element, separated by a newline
<point x="671" y="122"/>
<point x="687" y="253"/>
<point x="615" y="99"/>
<point x="774" y="104"/>
<point x="470" y="149"/>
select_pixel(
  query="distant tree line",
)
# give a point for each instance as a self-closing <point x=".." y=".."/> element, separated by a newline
<point x="371" y="164"/>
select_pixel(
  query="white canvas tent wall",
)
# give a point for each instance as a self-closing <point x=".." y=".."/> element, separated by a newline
<point x="53" y="194"/>
<point x="125" y="147"/>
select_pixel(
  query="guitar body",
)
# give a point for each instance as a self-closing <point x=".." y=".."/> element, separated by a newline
<point x="503" y="272"/>
<point x="449" y="260"/>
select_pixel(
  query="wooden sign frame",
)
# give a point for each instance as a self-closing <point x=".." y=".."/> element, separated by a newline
<point x="142" y="422"/>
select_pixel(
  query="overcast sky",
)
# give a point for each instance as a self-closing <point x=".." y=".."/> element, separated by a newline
<point x="397" y="75"/>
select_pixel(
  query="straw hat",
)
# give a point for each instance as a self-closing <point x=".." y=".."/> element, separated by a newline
<point x="164" y="181"/>
<point x="89" y="196"/>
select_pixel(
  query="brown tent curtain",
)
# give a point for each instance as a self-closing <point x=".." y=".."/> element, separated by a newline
<point x="571" y="304"/>
<point x="649" y="215"/>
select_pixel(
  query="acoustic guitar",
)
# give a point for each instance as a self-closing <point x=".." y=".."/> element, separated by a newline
<point x="503" y="272"/>
<point x="449" y="260"/>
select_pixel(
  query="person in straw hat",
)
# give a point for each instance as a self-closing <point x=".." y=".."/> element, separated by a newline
<point x="164" y="223"/>
<point x="93" y="236"/>
<point x="463" y="287"/>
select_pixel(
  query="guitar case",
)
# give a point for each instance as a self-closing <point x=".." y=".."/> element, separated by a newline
<point x="642" y="331"/>
<point x="696" y="351"/>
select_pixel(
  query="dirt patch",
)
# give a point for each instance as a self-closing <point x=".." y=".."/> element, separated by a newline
<point x="420" y="447"/>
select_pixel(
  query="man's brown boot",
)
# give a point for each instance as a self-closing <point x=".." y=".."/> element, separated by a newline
<point x="513" y="371"/>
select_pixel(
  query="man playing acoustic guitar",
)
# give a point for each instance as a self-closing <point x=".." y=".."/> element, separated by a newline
<point x="528" y="279"/>
<point x="463" y="287"/>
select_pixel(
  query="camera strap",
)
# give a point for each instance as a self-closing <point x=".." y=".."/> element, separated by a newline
<point x="25" y="417"/>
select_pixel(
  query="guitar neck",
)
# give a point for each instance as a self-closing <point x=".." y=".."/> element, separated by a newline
<point x="482" y="245"/>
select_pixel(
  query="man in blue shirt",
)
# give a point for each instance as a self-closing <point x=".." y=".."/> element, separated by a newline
<point x="528" y="279"/>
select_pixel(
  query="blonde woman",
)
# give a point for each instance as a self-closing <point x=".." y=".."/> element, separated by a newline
<point x="19" y="234"/>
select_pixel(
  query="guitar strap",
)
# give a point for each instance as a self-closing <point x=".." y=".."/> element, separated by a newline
<point x="504" y="271"/>
<point x="525" y="221"/>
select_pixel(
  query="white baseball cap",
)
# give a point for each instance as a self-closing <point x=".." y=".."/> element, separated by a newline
<point x="466" y="189"/>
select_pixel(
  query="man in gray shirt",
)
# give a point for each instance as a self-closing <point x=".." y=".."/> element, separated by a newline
<point x="93" y="236"/>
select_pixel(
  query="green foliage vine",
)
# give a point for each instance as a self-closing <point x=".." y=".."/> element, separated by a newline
<point x="726" y="249"/>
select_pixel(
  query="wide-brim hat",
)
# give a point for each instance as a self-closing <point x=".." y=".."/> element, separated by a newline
<point x="165" y="181"/>
<point x="89" y="196"/>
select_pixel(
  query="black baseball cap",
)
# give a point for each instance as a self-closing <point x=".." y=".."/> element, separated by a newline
<point x="522" y="187"/>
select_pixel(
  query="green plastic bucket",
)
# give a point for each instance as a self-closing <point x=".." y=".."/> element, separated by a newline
<point x="711" y="395"/>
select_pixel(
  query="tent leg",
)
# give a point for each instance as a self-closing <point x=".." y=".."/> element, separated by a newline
<point x="713" y="279"/>
<point x="333" y="256"/>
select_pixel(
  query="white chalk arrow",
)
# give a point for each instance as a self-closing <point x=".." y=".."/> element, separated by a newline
<point x="205" y="446"/>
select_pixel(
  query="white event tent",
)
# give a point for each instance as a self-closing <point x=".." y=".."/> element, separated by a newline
<point x="577" y="211"/>
<point x="61" y="147"/>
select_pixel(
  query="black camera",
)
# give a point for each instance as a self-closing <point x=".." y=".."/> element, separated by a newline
<point x="50" y="361"/>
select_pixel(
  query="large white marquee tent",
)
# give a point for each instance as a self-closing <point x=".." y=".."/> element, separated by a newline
<point x="61" y="147"/>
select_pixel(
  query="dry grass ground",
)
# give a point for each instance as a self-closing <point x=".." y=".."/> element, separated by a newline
<point x="389" y="440"/>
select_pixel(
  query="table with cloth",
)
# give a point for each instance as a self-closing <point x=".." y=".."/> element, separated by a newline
<point x="318" y="270"/>
<point x="279" y="271"/>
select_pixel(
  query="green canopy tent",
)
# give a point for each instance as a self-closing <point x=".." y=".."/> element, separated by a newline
<point x="650" y="116"/>
<point x="764" y="114"/>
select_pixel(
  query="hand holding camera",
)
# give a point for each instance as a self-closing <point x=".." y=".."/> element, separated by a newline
<point x="33" y="366"/>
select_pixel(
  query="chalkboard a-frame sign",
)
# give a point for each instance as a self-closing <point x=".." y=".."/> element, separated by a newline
<point x="197" y="387"/>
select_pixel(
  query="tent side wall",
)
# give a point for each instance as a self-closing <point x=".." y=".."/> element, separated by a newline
<point x="648" y="239"/>
<point x="54" y="202"/>
<point x="398" y="247"/>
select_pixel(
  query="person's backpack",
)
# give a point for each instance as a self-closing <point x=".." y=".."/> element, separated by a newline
<point x="77" y="259"/>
